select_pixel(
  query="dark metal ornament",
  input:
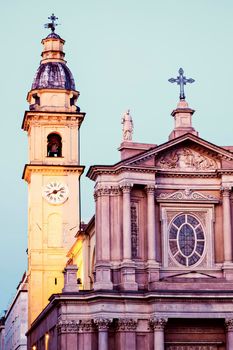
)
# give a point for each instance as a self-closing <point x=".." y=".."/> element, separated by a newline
<point x="52" y="24"/>
<point x="182" y="81"/>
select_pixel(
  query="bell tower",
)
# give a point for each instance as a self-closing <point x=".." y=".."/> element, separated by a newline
<point x="53" y="172"/>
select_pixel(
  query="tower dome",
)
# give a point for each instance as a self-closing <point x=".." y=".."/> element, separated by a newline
<point x="53" y="75"/>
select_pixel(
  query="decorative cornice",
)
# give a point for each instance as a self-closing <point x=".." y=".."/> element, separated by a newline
<point x="126" y="324"/>
<point x="40" y="118"/>
<point x="186" y="195"/>
<point x="103" y="324"/>
<point x="157" y="323"/>
<point x="229" y="324"/>
<point x="50" y="170"/>
<point x="65" y="326"/>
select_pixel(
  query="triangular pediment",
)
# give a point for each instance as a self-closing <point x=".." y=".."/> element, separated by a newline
<point x="186" y="153"/>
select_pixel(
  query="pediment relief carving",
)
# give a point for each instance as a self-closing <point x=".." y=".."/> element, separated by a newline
<point x="187" y="159"/>
<point x="185" y="195"/>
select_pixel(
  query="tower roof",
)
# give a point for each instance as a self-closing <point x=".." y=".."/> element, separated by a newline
<point x="53" y="75"/>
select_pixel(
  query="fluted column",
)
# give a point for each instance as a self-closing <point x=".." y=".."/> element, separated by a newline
<point x="151" y="223"/>
<point x="158" y="325"/>
<point x="85" y="337"/>
<point x="229" y="333"/>
<point x="126" y="188"/>
<point x="103" y="325"/>
<point x="227" y="224"/>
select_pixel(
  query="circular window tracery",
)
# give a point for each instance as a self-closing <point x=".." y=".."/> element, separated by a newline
<point x="186" y="239"/>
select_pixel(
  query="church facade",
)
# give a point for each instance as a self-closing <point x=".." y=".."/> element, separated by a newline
<point x="154" y="265"/>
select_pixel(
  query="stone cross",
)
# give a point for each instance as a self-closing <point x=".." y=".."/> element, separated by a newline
<point x="182" y="81"/>
<point x="52" y="24"/>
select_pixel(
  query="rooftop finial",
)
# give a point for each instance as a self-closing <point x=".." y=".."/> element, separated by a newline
<point x="52" y="24"/>
<point x="181" y="80"/>
<point x="127" y="128"/>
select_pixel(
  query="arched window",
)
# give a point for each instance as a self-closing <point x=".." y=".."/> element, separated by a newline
<point x="54" y="145"/>
<point x="186" y="239"/>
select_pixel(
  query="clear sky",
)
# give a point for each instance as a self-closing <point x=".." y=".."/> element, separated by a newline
<point x="122" y="54"/>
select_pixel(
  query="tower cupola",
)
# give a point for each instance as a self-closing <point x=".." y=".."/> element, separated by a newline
<point x="53" y="88"/>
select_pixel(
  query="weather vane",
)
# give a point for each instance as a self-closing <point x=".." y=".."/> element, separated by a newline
<point x="182" y="81"/>
<point x="52" y="24"/>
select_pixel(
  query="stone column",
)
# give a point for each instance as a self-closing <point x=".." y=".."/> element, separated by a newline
<point x="103" y="265"/>
<point x="227" y="225"/>
<point x="103" y="325"/>
<point x="229" y="333"/>
<point x="126" y="188"/>
<point x="158" y="325"/>
<point x="151" y="223"/>
<point x="67" y="334"/>
<point x="126" y="333"/>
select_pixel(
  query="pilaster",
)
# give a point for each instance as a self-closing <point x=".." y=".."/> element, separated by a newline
<point x="227" y="232"/>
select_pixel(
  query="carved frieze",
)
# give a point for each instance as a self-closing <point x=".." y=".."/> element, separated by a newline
<point x="126" y="324"/>
<point x="186" y="159"/>
<point x="187" y="195"/>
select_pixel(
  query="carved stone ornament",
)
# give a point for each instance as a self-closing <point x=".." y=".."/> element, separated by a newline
<point x="126" y="187"/>
<point x="86" y="325"/>
<point x="229" y="324"/>
<point x="67" y="326"/>
<point x="186" y="159"/>
<point x="126" y="324"/>
<point x="103" y="324"/>
<point x="102" y="190"/>
<point x="150" y="189"/>
<point x="187" y="194"/>
<point x="157" y="323"/>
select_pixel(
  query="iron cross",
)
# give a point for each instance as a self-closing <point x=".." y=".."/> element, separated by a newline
<point x="52" y="24"/>
<point x="182" y="81"/>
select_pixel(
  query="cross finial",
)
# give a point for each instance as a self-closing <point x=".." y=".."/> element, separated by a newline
<point x="52" y="24"/>
<point x="182" y="81"/>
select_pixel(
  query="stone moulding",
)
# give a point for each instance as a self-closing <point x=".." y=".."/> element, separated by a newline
<point x="186" y="196"/>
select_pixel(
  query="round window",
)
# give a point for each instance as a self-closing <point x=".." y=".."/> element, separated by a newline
<point x="186" y="239"/>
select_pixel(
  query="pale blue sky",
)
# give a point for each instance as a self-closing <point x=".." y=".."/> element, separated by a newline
<point x="121" y="54"/>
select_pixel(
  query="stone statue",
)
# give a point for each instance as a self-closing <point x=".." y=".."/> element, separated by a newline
<point x="127" y="128"/>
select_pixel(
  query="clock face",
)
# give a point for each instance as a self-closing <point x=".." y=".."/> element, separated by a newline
<point x="55" y="192"/>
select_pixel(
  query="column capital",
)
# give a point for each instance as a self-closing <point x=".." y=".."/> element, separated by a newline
<point x="226" y="190"/>
<point x="115" y="190"/>
<point x="157" y="323"/>
<point x="126" y="187"/>
<point x="86" y="326"/>
<point x="103" y="324"/>
<point x="126" y="324"/>
<point x="102" y="190"/>
<point x="229" y="324"/>
<point x="150" y="189"/>
<point x="67" y="326"/>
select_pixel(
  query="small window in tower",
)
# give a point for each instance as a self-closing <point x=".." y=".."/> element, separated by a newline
<point x="54" y="145"/>
<point x="37" y="99"/>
